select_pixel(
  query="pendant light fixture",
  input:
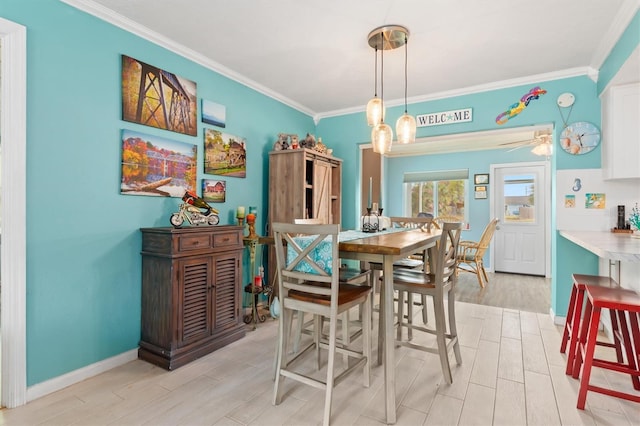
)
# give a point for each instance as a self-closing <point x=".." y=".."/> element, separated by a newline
<point x="387" y="37"/>
<point x="375" y="107"/>
<point x="406" y="124"/>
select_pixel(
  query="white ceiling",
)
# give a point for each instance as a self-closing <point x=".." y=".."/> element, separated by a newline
<point x="313" y="54"/>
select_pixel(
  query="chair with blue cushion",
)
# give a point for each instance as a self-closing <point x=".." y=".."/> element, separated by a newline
<point x="308" y="266"/>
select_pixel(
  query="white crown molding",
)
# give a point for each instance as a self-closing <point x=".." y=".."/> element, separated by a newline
<point x="128" y="25"/>
<point x="620" y="23"/>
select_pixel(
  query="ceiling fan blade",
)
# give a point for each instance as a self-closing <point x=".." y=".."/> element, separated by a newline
<point x="522" y="142"/>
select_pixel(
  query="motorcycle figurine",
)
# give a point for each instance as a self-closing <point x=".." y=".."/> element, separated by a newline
<point x="190" y="211"/>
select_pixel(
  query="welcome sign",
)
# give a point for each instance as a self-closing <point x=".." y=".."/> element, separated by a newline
<point x="445" y="117"/>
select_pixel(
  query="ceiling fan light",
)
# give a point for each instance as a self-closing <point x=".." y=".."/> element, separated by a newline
<point x="406" y="129"/>
<point x="375" y="111"/>
<point x="381" y="136"/>
<point x="545" y="149"/>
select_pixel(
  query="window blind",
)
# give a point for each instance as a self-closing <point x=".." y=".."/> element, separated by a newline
<point x="436" y="175"/>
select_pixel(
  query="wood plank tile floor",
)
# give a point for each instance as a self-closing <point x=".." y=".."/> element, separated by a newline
<point x="512" y="374"/>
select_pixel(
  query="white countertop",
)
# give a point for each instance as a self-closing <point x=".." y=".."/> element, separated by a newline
<point x="622" y="247"/>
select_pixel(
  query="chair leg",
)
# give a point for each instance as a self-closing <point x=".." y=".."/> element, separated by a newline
<point x="484" y="272"/>
<point x="425" y="319"/>
<point x="317" y="335"/>
<point x="400" y="315"/>
<point x="410" y="315"/>
<point x="589" y="348"/>
<point x="300" y="326"/>
<point x="381" y="325"/>
<point x="575" y="330"/>
<point x="438" y="310"/>
<point x="366" y="342"/>
<point x="346" y="338"/>
<point x="453" y="329"/>
<point x="569" y="322"/>
<point x="283" y="334"/>
<point x="330" y="373"/>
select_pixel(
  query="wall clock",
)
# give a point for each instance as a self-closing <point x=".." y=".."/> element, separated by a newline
<point x="580" y="137"/>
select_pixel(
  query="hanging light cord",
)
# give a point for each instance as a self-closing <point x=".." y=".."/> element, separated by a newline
<point x="382" y="81"/>
<point x="405" y="73"/>
<point x="375" y="73"/>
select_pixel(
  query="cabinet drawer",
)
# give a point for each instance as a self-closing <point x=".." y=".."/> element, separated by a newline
<point x="194" y="242"/>
<point x="226" y="239"/>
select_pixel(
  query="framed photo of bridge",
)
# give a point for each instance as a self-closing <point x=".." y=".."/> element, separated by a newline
<point x="152" y="165"/>
<point x="224" y="154"/>
<point x="154" y="97"/>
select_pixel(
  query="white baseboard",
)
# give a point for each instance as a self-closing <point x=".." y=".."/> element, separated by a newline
<point x="61" y="382"/>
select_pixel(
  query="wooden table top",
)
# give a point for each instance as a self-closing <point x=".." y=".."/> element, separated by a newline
<point x="389" y="244"/>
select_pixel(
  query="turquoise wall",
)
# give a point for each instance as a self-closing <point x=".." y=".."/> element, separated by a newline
<point x="83" y="238"/>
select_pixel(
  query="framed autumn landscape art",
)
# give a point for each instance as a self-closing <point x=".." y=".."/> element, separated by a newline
<point x="158" y="98"/>
<point x="224" y="154"/>
<point x="152" y="165"/>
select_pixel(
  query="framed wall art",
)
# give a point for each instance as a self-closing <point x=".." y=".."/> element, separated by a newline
<point x="154" y="97"/>
<point x="481" y="179"/>
<point x="224" y="154"/>
<point x="214" y="114"/>
<point x="152" y="165"/>
<point x="480" y="192"/>
<point x="214" y="190"/>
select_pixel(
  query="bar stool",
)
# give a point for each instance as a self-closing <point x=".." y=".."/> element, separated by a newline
<point x="572" y="323"/>
<point x="623" y="303"/>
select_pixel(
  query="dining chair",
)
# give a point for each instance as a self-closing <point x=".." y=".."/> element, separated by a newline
<point x="347" y="276"/>
<point x="415" y="261"/>
<point x="439" y="283"/>
<point x="439" y="220"/>
<point x="308" y="279"/>
<point x="470" y="253"/>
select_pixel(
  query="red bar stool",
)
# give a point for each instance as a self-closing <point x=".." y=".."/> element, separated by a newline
<point x="572" y="323"/>
<point x="626" y="306"/>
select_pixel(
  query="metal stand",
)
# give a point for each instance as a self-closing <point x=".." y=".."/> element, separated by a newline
<point x="254" y="317"/>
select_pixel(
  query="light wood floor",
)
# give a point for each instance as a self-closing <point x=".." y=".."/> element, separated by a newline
<point x="512" y="374"/>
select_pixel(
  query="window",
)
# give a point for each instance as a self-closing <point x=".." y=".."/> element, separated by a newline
<point x="519" y="202"/>
<point x="442" y="193"/>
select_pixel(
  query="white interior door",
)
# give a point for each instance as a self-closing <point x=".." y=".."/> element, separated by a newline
<point x="521" y="196"/>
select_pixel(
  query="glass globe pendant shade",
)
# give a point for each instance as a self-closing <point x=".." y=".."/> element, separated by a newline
<point x="375" y="111"/>
<point x="381" y="137"/>
<point x="406" y="129"/>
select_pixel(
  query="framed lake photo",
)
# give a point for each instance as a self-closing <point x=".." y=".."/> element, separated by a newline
<point x="156" y="166"/>
<point x="214" y="114"/>
<point x="154" y="97"/>
<point x="224" y="154"/>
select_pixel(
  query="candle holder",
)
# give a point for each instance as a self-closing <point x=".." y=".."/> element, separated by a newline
<point x="240" y="220"/>
<point x="370" y="221"/>
<point x="251" y="221"/>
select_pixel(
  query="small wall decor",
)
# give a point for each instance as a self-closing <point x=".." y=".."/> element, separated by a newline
<point x="214" y="114"/>
<point x="595" y="201"/>
<point x="569" y="201"/>
<point x="518" y="107"/>
<point x="157" y="98"/>
<point x="152" y="165"/>
<point x="214" y="191"/>
<point x="481" y="179"/>
<point x="224" y="154"/>
<point x="480" y="192"/>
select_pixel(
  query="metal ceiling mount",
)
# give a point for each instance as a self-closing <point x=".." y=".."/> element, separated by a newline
<point x="388" y="37"/>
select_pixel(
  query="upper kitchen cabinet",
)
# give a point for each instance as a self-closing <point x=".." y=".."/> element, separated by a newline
<point x="621" y="132"/>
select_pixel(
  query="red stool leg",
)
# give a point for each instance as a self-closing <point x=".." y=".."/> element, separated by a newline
<point x="569" y="324"/>
<point x="576" y="331"/>
<point x="586" y="350"/>
<point x="579" y="341"/>
<point x="630" y="347"/>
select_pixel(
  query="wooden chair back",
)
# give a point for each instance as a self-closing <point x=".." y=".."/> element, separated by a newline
<point x="411" y="222"/>
<point x="308" y="221"/>
<point x="439" y="220"/>
<point x="485" y="238"/>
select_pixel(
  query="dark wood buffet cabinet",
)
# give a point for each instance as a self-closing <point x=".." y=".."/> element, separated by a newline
<point x="191" y="292"/>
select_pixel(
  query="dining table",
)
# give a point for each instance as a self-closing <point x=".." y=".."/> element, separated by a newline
<point x="385" y="248"/>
